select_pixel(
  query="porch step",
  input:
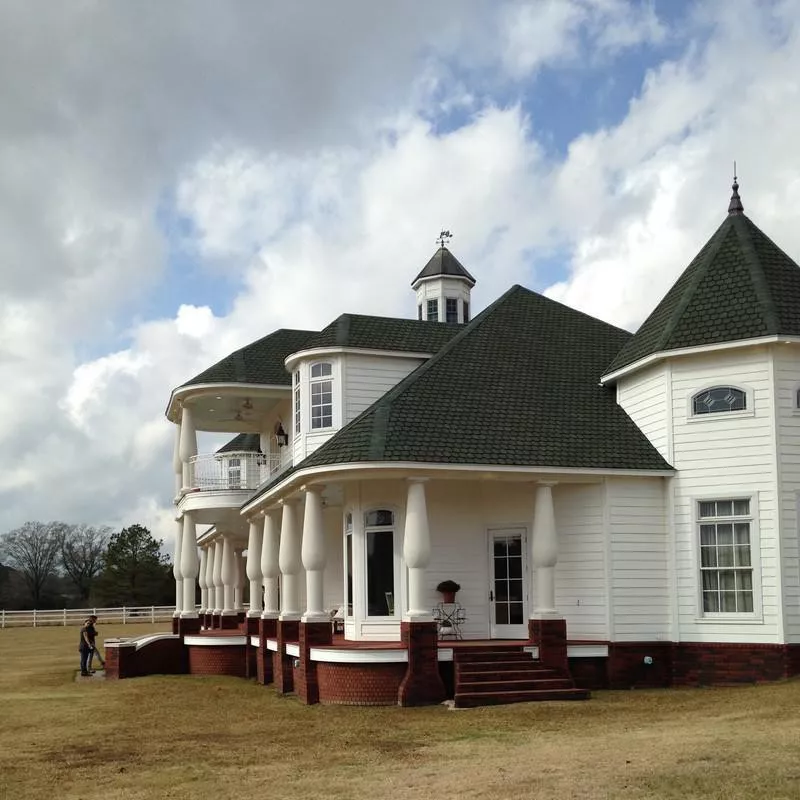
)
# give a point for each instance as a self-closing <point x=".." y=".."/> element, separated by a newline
<point x="507" y="674"/>
<point x="475" y="699"/>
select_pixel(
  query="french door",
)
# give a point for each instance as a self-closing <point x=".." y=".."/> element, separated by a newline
<point x="508" y="584"/>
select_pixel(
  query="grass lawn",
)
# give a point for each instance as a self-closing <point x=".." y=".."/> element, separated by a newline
<point x="184" y="737"/>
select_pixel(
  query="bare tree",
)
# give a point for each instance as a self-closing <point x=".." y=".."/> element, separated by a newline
<point x="33" y="549"/>
<point x="82" y="551"/>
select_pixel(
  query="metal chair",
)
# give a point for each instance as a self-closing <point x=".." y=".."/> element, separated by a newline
<point x="449" y="618"/>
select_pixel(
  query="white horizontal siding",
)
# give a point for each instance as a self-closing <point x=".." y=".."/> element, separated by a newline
<point x="643" y="395"/>
<point x="787" y="381"/>
<point x="720" y="456"/>
<point x="368" y="378"/>
<point x="637" y="531"/>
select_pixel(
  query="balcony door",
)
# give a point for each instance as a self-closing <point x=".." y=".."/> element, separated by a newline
<point x="508" y="584"/>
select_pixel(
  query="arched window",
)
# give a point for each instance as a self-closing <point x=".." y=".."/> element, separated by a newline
<point x="379" y="534"/>
<point x="321" y="396"/>
<point x="719" y="399"/>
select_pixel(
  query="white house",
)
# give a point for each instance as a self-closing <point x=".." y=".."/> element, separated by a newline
<point x="619" y="510"/>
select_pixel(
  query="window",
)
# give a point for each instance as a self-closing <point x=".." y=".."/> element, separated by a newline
<point x="433" y="311"/>
<point x="379" y="529"/>
<point x="451" y="309"/>
<point x="726" y="568"/>
<point x="297" y="403"/>
<point x="466" y="311"/>
<point x="321" y="396"/>
<point x="348" y="567"/>
<point x="720" y="399"/>
<point x="419" y="312"/>
<point x="234" y="473"/>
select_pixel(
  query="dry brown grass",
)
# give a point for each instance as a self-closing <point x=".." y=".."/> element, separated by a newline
<point x="183" y="737"/>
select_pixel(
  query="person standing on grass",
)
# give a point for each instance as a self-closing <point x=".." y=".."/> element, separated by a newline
<point x="94" y="651"/>
<point x="88" y="634"/>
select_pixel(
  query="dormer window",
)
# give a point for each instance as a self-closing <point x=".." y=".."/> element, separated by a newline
<point x="321" y="396"/>
<point x="719" y="400"/>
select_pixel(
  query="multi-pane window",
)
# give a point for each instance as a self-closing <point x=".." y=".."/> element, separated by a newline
<point x="451" y="309"/>
<point x="348" y="557"/>
<point x="379" y="534"/>
<point x="726" y="567"/>
<point x="234" y="473"/>
<point x="297" y="403"/>
<point x="719" y="400"/>
<point x="466" y="311"/>
<point x="321" y="396"/>
<point x="433" y="310"/>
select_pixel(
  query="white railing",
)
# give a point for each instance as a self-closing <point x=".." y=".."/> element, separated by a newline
<point x="235" y="470"/>
<point x="76" y="616"/>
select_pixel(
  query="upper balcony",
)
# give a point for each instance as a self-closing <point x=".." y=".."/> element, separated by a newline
<point x="235" y="471"/>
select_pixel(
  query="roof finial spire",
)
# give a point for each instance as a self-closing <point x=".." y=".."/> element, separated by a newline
<point x="735" y="207"/>
<point x="444" y="237"/>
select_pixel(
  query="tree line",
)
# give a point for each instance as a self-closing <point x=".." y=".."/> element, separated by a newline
<point x="55" y="565"/>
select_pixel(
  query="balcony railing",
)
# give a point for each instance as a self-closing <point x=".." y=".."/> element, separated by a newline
<point x="235" y="470"/>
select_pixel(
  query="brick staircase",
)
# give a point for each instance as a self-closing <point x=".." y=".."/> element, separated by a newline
<point x="498" y="674"/>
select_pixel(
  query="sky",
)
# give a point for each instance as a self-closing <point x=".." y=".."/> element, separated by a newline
<point x="178" y="179"/>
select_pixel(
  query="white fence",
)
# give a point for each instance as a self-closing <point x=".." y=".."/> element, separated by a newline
<point x="76" y="616"/>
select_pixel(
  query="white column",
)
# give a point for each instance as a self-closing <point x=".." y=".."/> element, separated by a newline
<point x="270" y="567"/>
<point x="417" y="552"/>
<point x="254" y="541"/>
<point x="188" y="444"/>
<point x="228" y="574"/>
<point x="211" y="601"/>
<point x="241" y="577"/>
<point x="176" y="567"/>
<point x="189" y="565"/>
<point x="201" y="579"/>
<point x="177" y="463"/>
<point x="218" y="589"/>
<point x="313" y="554"/>
<point x="290" y="562"/>
<point x="544" y="554"/>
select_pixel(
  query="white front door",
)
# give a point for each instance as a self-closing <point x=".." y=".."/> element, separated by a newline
<point x="508" y="584"/>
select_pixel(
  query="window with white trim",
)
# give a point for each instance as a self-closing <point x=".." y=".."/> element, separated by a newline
<point x="726" y="565"/>
<point x="348" y="563"/>
<point x="719" y="400"/>
<point x="433" y="310"/>
<point x="379" y="537"/>
<point x="234" y="473"/>
<point x="297" y="403"/>
<point x="321" y="396"/>
<point x="451" y="309"/>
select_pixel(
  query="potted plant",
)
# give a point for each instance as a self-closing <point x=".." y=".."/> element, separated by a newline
<point x="448" y="590"/>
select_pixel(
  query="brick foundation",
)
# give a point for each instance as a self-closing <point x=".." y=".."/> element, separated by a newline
<point x="359" y="684"/>
<point x="421" y="684"/>
<point x="217" y="660"/>
<point x="188" y="626"/>
<point x="707" y="664"/>
<point x="311" y="634"/>
<point x="228" y="622"/>
<point x="626" y="667"/>
<point x="159" y="657"/>
<point x="267" y="629"/>
<point x="282" y="664"/>
<point x="550" y="636"/>
<point x="175" y="624"/>
<point x="589" y="673"/>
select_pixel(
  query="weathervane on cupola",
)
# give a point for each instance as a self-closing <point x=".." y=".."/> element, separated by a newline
<point x="735" y="207"/>
<point x="444" y="238"/>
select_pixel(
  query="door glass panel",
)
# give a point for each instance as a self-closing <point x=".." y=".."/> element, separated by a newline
<point x="508" y="587"/>
<point x="515" y="614"/>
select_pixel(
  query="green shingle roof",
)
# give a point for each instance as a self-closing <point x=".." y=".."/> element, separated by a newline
<point x="741" y="285"/>
<point x="243" y="443"/>
<point x="258" y="362"/>
<point x="384" y="333"/>
<point x="518" y="386"/>
<point x="443" y="262"/>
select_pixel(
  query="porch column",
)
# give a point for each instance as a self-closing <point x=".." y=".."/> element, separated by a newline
<point x="228" y="575"/>
<point x="270" y="573"/>
<point x="177" y="463"/>
<point x="422" y="683"/>
<point x="201" y="579"/>
<point x="238" y="586"/>
<point x="176" y="572"/>
<point x="218" y="590"/>
<point x="254" y="546"/>
<point x="189" y="569"/>
<point x="546" y="627"/>
<point x="188" y="444"/>
<point x="288" y="629"/>
<point x="289" y="560"/>
<point x="417" y="552"/>
<point x="313" y="555"/>
<point x="212" y="589"/>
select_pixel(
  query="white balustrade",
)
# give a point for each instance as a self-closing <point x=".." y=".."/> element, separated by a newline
<point x="233" y="470"/>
